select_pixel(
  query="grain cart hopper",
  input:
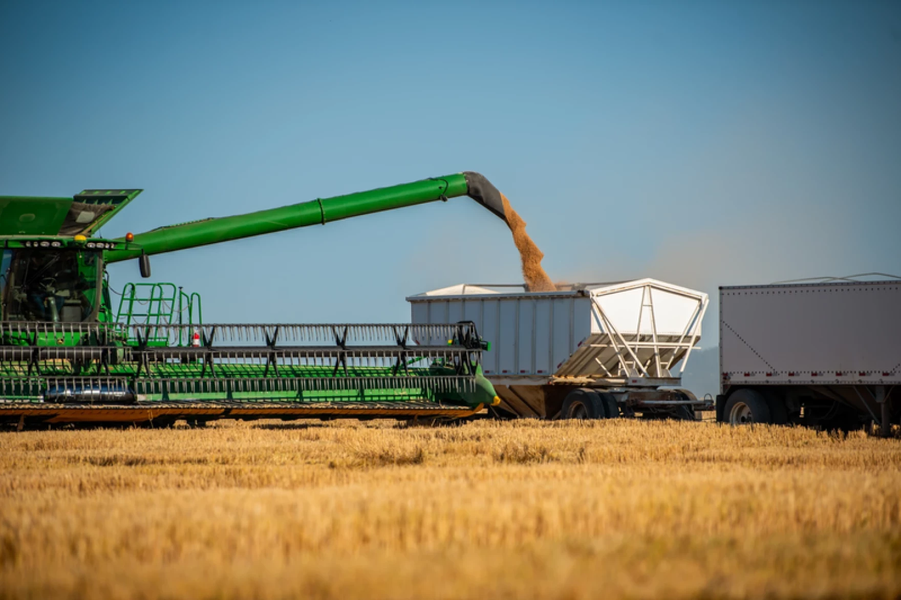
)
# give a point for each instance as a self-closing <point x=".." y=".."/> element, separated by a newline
<point x="66" y="356"/>
<point x="585" y="351"/>
<point x="824" y="354"/>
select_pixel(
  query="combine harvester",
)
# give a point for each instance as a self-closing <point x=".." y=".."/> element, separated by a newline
<point x="67" y="357"/>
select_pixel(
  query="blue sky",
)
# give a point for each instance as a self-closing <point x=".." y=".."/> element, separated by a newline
<point x="701" y="143"/>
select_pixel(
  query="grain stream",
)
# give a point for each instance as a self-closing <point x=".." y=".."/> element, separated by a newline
<point x="530" y="255"/>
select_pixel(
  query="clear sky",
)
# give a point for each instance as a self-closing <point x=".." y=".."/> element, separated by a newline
<point x="702" y="143"/>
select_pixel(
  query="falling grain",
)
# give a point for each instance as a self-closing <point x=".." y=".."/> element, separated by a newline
<point x="536" y="279"/>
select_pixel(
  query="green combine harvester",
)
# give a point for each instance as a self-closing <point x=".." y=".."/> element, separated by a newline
<point x="66" y="356"/>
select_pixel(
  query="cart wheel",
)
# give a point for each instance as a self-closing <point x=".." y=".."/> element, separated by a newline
<point x="686" y="413"/>
<point x="582" y="404"/>
<point x="747" y="406"/>
<point x="611" y="408"/>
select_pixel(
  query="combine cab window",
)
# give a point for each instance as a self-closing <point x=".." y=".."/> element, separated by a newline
<point x="41" y="285"/>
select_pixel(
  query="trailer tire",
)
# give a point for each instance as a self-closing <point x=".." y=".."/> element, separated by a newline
<point x="747" y="406"/>
<point x="778" y="410"/>
<point x="611" y="408"/>
<point x="582" y="403"/>
<point x="844" y="419"/>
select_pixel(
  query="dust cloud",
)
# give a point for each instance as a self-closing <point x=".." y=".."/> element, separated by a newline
<point x="536" y="279"/>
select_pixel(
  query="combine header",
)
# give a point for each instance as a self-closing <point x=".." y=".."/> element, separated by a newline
<point x="66" y="356"/>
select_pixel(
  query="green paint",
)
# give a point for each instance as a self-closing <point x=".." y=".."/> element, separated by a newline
<point x="314" y="212"/>
<point x="21" y="215"/>
<point x="38" y="237"/>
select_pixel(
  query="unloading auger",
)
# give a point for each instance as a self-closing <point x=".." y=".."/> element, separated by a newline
<point x="67" y="356"/>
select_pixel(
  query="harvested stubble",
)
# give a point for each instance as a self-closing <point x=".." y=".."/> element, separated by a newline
<point x="521" y="509"/>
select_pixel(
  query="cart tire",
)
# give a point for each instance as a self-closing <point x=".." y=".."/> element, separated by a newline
<point x="746" y="406"/>
<point x="582" y="403"/>
<point x="611" y="408"/>
<point x="686" y="412"/>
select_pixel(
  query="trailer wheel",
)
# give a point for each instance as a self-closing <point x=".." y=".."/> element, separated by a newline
<point x="582" y="404"/>
<point x="611" y="408"/>
<point x="778" y="410"/>
<point x="746" y="406"/>
<point x="842" y="418"/>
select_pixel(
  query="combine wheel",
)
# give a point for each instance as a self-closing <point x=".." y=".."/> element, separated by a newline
<point x="582" y="403"/>
<point x="747" y="406"/>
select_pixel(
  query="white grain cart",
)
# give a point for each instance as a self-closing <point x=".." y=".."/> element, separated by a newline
<point x="595" y="350"/>
<point x="825" y="354"/>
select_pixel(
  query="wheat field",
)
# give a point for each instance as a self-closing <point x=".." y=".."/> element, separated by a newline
<point x="522" y="509"/>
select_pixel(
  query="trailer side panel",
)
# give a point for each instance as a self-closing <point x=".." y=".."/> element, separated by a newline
<point x="811" y="334"/>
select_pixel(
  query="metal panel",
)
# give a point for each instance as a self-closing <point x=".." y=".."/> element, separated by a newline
<point x="562" y="323"/>
<point x="525" y="345"/>
<point x="623" y="309"/>
<point x="596" y="331"/>
<point x="472" y="310"/>
<point x="454" y="312"/>
<point x="830" y="333"/>
<point x="543" y="347"/>
<point x="421" y="314"/>
<point x="506" y="341"/>
<point x="490" y="330"/>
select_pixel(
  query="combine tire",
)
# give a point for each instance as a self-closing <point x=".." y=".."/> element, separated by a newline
<point x="745" y="407"/>
<point x="582" y="404"/>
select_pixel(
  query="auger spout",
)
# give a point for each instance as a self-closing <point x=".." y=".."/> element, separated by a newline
<point x="314" y="212"/>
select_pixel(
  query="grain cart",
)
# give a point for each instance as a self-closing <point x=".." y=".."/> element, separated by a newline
<point x="67" y="356"/>
<point x="585" y="351"/>
<point x="824" y="354"/>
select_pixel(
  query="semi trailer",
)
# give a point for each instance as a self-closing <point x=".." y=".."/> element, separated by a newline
<point x="596" y="350"/>
<point x="68" y="355"/>
<point x="822" y="354"/>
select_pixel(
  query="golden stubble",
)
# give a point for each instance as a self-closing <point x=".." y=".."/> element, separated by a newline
<point x="523" y="509"/>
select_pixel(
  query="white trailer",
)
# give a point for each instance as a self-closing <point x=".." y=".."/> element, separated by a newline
<point x="826" y="354"/>
<point x="585" y="351"/>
